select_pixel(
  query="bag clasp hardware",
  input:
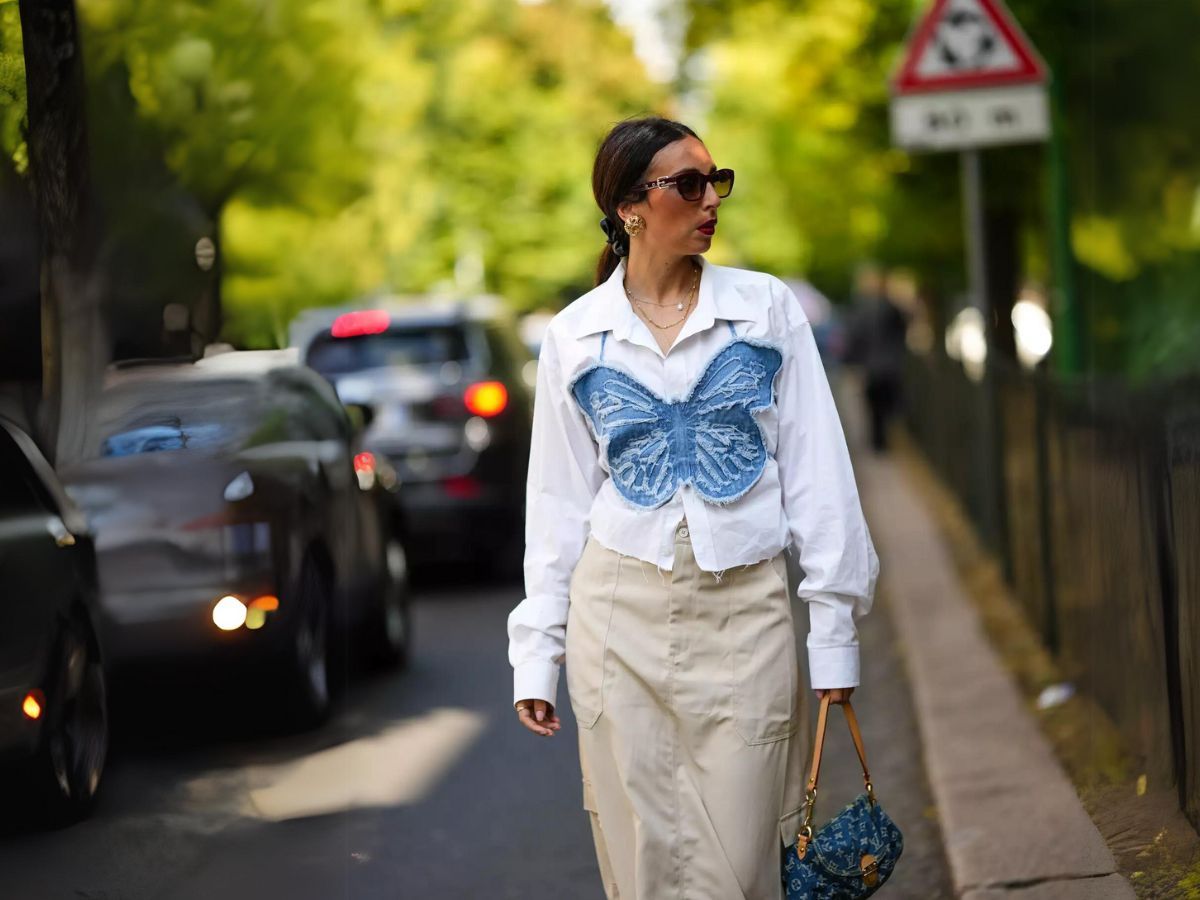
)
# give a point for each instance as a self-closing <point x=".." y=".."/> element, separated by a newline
<point x="870" y="869"/>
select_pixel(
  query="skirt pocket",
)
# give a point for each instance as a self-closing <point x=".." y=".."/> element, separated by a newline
<point x="765" y="665"/>
<point x="589" y="612"/>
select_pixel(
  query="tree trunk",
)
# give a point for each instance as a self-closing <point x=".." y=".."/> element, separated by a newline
<point x="74" y="346"/>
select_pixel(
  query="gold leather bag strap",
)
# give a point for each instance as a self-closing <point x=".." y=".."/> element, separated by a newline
<point x="819" y="743"/>
<point x="810" y="794"/>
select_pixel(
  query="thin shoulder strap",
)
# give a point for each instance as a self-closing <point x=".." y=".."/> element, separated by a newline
<point x="603" y="341"/>
<point x="732" y="330"/>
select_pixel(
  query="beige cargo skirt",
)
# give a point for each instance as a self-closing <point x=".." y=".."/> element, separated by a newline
<point x="693" y="724"/>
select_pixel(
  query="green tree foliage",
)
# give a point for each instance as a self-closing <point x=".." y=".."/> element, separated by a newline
<point x="391" y="146"/>
<point x="799" y="104"/>
<point x="196" y="106"/>
<point x="353" y="146"/>
<point x="479" y="120"/>
<point x="245" y="98"/>
<point x="1133" y="143"/>
<point x="12" y="89"/>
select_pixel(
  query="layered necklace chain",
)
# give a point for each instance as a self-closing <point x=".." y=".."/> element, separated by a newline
<point x="686" y="306"/>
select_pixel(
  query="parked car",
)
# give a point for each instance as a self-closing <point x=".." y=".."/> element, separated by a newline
<point x="237" y="520"/>
<point x="451" y="390"/>
<point x="53" y="701"/>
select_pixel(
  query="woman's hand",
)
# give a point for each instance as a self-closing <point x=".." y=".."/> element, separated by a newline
<point x="839" y="695"/>
<point x="538" y="716"/>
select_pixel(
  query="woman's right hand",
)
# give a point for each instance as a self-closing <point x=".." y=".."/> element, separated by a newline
<point x="838" y="695"/>
<point x="538" y="716"/>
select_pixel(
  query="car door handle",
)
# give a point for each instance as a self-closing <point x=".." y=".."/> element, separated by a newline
<point x="62" y="536"/>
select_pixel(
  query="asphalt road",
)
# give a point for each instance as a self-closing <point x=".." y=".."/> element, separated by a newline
<point x="422" y="786"/>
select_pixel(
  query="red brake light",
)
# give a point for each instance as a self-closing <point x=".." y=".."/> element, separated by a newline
<point x="486" y="398"/>
<point x="360" y="322"/>
<point x="462" y="487"/>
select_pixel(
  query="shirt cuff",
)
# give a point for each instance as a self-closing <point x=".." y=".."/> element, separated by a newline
<point x="833" y="667"/>
<point x="536" y="679"/>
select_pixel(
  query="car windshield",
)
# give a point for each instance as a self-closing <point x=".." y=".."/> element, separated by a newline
<point x="154" y="416"/>
<point x="400" y="347"/>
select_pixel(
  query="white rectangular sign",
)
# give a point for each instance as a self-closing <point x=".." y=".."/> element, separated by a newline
<point x="979" y="117"/>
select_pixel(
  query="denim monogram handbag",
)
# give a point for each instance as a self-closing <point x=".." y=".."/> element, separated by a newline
<point x="853" y="854"/>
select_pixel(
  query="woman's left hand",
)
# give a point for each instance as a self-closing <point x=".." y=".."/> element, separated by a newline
<point x="839" y="695"/>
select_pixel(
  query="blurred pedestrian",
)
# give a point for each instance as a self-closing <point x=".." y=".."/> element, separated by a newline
<point x="876" y="343"/>
<point x="684" y="436"/>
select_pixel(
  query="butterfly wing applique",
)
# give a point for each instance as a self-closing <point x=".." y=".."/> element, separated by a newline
<point x="634" y="427"/>
<point x="710" y="439"/>
<point x="727" y="453"/>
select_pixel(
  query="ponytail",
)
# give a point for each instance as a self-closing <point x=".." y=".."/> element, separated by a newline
<point x="607" y="264"/>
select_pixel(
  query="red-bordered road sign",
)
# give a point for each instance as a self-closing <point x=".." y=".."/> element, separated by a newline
<point x="962" y="44"/>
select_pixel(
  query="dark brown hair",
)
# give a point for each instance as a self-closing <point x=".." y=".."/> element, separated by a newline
<point x="621" y="162"/>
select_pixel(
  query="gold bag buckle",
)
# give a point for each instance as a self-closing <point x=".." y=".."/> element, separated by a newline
<point x="870" y="869"/>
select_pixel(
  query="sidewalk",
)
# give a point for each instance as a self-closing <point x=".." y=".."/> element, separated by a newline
<point x="1011" y="822"/>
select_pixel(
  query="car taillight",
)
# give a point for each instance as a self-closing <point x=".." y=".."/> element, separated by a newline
<point x="462" y="487"/>
<point x="360" y="322"/>
<point x="364" y="470"/>
<point x="486" y="398"/>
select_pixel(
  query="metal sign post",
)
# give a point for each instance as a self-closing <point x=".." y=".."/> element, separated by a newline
<point x="970" y="79"/>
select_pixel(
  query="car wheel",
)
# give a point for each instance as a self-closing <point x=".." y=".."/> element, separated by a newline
<point x="69" y="765"/>
<point x="307" y="660"/>
<point x="391" y="626"/>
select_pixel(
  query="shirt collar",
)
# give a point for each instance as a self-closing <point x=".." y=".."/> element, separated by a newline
<point x="610" y="310"/>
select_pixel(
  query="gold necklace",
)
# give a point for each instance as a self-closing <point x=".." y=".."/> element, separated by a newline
<point x="672" y="324"/>
<point x="679" y="305"/>
<point x="691" y="297"/>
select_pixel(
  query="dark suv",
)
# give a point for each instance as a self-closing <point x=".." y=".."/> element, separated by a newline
<point x="450" y="393"/>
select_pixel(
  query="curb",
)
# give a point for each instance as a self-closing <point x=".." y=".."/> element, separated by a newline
<point x="1012" y="823"/>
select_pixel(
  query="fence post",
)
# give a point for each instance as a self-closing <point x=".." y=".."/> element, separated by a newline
<point x="1160" y="474"/>
<point x="1041" y="395"/>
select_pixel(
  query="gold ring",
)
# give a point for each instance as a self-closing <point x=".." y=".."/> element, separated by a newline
<point x="520" y="707"/>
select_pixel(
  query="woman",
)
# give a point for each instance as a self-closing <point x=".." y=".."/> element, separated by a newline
<point x="684" y="436"/>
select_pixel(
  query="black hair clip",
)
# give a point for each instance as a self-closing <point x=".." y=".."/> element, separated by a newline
<point x="615" y="235"/>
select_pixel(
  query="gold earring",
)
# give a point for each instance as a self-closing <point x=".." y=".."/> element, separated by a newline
<point x="634" y="224"/>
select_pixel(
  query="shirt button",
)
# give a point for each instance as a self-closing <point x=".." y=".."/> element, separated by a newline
<point x="683" y="532"/>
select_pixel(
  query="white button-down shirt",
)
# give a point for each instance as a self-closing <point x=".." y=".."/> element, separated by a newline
<point x="805" y="498"/>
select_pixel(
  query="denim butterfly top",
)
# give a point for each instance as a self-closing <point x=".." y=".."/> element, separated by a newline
<point x="709" y="439"/>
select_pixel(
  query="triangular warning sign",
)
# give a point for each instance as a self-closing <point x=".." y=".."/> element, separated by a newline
<point x="967" y="44"/>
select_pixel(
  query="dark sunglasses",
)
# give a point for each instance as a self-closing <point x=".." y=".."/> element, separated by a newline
<point x="691" y="184"/>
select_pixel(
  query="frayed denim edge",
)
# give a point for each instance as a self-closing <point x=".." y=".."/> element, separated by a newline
<point x="602" y="441"/>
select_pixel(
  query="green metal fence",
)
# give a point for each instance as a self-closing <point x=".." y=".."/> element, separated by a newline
<point x="1089" y="494"/>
